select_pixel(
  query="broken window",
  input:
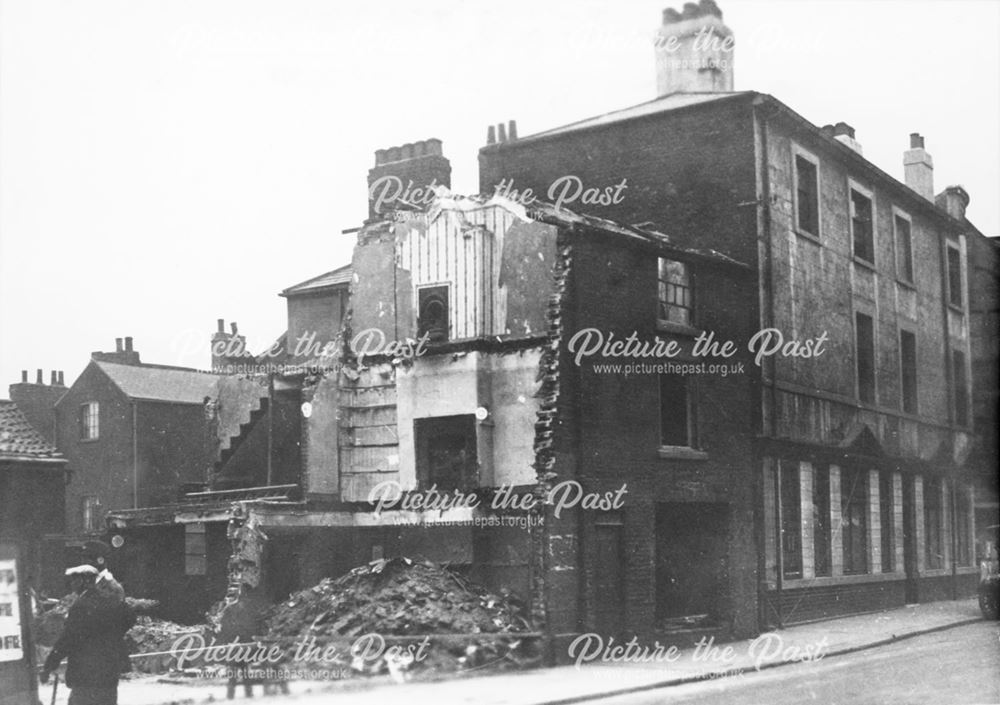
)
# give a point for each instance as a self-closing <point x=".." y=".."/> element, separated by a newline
<point x="862" y="226"/>
<point x="446" y="452"/>
<point x="89" y="419"/>
<point x="676" y="412"/>
<point x="853" y="519"/>
<point x="674" y="292"/>
<point x="432" y="318"/>
<point x="807" y="195"/>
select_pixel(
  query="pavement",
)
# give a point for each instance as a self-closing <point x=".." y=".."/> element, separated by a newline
<point x="601" y="672"/>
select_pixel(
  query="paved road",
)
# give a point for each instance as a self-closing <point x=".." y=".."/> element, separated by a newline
<point x="959" y="666"/>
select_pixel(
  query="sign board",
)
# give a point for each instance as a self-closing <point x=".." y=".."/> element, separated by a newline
<point x="11" y="648"/>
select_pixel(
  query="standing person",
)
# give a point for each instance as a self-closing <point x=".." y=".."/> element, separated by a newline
<point x="91" y="641"/>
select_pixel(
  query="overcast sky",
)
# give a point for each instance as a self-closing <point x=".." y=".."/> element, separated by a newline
<point x="165" y="164"/>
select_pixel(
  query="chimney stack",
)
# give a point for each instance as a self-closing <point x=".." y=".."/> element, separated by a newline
<point x="954" y="200"/>
<point x="918" y="167"/>
<point x="123" y="354"/>
<point x="37" y="400"/>
<point x="228" y="348"/>
<point x="694" y="51"/>
<point x="406" y="174"/>
<point x="844" y="133"/>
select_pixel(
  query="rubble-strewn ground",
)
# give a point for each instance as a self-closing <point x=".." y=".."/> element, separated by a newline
<point x="468" y="626"/>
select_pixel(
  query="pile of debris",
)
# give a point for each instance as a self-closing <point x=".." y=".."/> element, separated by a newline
<point x="467" y="627"/>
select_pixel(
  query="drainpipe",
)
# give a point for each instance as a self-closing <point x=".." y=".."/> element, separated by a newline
<point x="760" y="114"/>
<point x="135" y="455"/>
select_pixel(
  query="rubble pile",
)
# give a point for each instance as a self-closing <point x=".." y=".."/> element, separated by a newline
<point x="402" y="597"/>
<point x="153" y="636"/>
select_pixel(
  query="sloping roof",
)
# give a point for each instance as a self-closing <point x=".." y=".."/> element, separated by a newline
<point x="18" y="438"/>
<point x="663" y="104"/>
<point x="161" y="383"/>
<point x="341" y="275"/>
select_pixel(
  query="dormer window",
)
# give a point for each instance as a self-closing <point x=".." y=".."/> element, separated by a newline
<point x="675" y="299"/>
<point x="432" y="320"/>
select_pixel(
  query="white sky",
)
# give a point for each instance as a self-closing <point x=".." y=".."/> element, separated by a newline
<point x="164" y="164"/>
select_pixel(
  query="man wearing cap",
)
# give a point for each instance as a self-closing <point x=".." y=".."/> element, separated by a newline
<point x="91" y="641"/>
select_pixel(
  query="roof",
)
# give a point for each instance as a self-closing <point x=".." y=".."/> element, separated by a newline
<point x="161" y="383"/>
<point x="673" y="101"/>
<point x="19" y="440"/>
<point x="323" y="282"/>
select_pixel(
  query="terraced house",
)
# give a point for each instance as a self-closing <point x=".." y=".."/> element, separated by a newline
<point x="862" y="497"/>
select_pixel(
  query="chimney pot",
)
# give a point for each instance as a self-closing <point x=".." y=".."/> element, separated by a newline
<point x="62" y="380"/>
<point x="38" y="378"/>
<point x="54" y="378"/>
<point x="512" y="129"/>
<point x="118" y="344"/>
<point x="501" y="132"/>
<point x="491" y="134"/>
<point x="221" y="323"/>
<point x="24" y="375"/>
<point x="685" y="61"/>
<point x="916" y="140"/>
<point x="233" y="327"/>
<point x="128" y="344"/>
<point x="842" y="128"/>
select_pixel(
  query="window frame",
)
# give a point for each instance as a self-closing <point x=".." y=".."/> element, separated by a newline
<point x="90" y="510"/>
<point x="901" y="215"/>
<point x="914" y="408"/>
<point x="934" y="519"/>
<point x="822" y="529"/>
<point x="661" y="286"/>
<point x="798" y="152"/>
<point x="949" y="247"/>
<point x="857" y="358"/>
<point x="426" y="430"/>
<point x="688" y="385"/>
<point x="854" y="502"/>
<point x="89" y="421"/>
<point x="790" y="496"/>
<point x="854" y="186"/>
<point x="446" y="287"/>
<point x="887" y="521"/>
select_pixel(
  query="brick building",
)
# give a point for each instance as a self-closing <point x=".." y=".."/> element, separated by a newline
<point x="858" y="460"/>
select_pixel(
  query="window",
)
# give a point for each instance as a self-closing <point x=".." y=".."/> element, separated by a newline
<point x="865" y="354"/>
<point x="853" y="513"/>
<point x="791" y="519"/>
<point x="933" y="524"/>
<point x="955" y="285"/>
<point x="194" y="549"/>
<point x="963" y="514"/>
<point x="908" y="370"/>
<point x="821" y="520"/>
<point x="887" y="521"/>
<point x="93" y="518"/>
<point x="674" y="292"/>
<point x="806" y="195"/>
<point x="432" y="319"/>
<point x="446" y="452"/>
<point x="677" y="427"/>
<point x="89" y="418"/>
<point x="904" y="248"/>
<point x="961" y="385"/>
<point x="862" y="226"/>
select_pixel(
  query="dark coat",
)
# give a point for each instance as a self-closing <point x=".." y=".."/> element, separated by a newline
<point x="92" y="641"/>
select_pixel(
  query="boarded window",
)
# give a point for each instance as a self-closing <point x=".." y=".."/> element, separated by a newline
<point x="904" y="249"/>
<point x="853" y="516"/>
<point x="933" y="524"/>
<point x="194" y="549"/>
<point x="821" y="521"/>
<point x="791" y="520"/>
<point x="807" y="195"/>
<point x="908" y="370"/>
<point x="676" y="412"/>
<point x="865" y="353"/>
